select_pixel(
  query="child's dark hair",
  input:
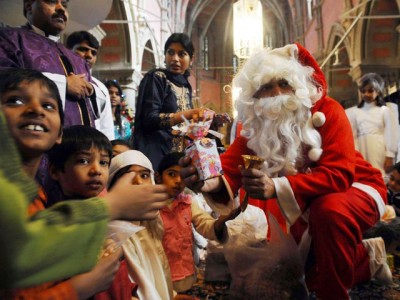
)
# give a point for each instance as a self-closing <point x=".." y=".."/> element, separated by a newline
<point x="11" y="78"/>
<point x="396" y="167"/>
<point x="169" y="160"/>
<point x="378" y="84"/>
<point x="183" y="39"/>
<point x="118" y="175"/>
<point x="118" y="119"/>
<point x="78" y="37"/>
<point x="77" y="138"/>
<point x="122" y="143"/>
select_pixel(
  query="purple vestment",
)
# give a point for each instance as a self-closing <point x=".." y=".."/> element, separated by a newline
<point x="24" y="48"/>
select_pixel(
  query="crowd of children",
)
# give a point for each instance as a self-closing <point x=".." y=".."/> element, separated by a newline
<point x="155" y="261"/>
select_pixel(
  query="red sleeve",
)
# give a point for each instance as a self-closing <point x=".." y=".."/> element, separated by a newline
<point x="231" y="159"/>
<point x="334" y="171"/>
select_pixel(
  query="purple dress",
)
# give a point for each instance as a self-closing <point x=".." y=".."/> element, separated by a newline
<point x="24" y="48"/>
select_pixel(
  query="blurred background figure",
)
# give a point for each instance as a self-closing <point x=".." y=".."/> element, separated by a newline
<point x="122" y="126"/>
<point x="374" y="125"/>
<point x="87" y="46"/>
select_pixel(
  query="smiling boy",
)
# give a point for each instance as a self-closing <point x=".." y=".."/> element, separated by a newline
<point x="31" y="105"/>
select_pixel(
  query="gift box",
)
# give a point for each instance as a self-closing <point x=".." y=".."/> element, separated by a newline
<point x="205" y="157"/>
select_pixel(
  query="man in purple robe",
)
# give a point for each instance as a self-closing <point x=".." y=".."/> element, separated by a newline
<point x="35" y="46"/>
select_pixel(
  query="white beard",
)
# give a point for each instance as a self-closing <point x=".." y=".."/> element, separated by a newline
<point x="278" y="131"/>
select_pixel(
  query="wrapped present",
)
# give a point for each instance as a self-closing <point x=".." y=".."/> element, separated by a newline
<point x="203" y="150"/>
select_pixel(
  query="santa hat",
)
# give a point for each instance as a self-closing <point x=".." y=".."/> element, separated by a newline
<point x="306" y="59"/>
<point x="129" y="158"/>
<point x="83" y="14"/>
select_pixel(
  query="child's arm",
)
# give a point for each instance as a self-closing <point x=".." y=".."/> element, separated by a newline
<point x="71" y="232"/>
<point x="207" y="226"/>
<point x="99" y="278"/>
<point x="81" y="286"/>
<point x="220" y="226"/>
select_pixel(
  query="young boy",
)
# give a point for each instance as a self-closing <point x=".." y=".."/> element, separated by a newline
<point x="32" y="107"/>
<point x="178" y="217"/>
<point x="80" y="165"/>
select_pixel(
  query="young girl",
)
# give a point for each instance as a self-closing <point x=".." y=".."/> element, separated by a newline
<point x="143" y="251"/>
<point x="122" y="127"/>
<point x="374" y="127"/>
<point x="178" y="217"/>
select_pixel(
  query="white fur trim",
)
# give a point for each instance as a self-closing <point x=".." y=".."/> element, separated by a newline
<point x="374" y="194"/>
<point x="286" y="199"/>
<point x="314" y="154"/>
<point x="318" y="119"/>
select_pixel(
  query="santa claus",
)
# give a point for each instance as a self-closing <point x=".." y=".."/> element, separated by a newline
<point x="326" y="191"/>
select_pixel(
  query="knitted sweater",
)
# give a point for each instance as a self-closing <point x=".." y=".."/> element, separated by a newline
<point x="70" y="234"/>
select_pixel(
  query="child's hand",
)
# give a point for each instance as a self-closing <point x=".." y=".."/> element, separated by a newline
<point x="100" y="277"/>
<point x="219" y="225"/>
<point x="135" y="202"/>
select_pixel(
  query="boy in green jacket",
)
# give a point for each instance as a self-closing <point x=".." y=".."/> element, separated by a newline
<point x="27" y="241"/>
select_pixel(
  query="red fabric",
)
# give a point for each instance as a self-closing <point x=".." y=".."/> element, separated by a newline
<point x="306" y="59"/>
<point x="330" y="180"/>
<point x="46" y="291"/>
<point x="336" y="224"/>
<point x="272" y="206"/>
<point x="122" y="288"/>
<point x="178" y="237"/>
<point x="38" y="203"/>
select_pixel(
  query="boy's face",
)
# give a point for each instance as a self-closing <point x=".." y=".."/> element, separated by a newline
<point x="33" y="118"/>
<point x="85" y="173"/>
<point x="172" y="179"/>
<point x="394" y="181"/>
<point x="142" y="175"/>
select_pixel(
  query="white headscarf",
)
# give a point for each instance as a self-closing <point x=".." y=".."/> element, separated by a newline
<point x="129" y="158"/>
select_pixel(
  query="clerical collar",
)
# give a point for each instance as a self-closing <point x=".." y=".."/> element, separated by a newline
<point x="54" y="38"/>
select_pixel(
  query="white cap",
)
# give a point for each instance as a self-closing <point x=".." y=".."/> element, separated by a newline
<point x="129" y="158"/>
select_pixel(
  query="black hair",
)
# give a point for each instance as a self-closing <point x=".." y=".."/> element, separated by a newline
<point x="396" y="167"/>
<point x="118" y="175"/>
<point x="122" y="143"/>
<point x="11" y="78"/>
<point x="169" y="160"/>
<point x="78" y="37"/>
<point x="118" y="119"/>
<point x="183" y="39"/>
<point x="77" y="138"/>
<point x="378" y="84"/>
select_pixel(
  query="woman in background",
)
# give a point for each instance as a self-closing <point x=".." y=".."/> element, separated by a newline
<point x="122" y="127"/>
<point x="165" y="95"/>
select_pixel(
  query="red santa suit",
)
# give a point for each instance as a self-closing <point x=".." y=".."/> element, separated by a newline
<point x="340" y="196"/>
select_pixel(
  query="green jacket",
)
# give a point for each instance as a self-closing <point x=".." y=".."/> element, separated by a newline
<point x="56" y="243"/>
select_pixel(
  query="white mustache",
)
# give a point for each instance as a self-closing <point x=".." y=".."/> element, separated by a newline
<point x="271" y="107"/>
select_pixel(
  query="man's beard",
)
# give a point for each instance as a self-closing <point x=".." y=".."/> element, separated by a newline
<point x="278" y="129"/>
